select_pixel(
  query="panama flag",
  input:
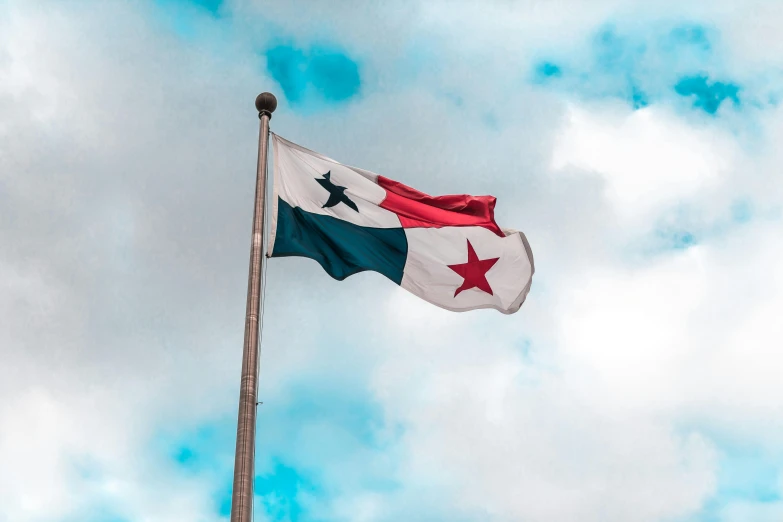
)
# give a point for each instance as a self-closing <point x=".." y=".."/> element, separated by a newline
<point x="447" y="250"/>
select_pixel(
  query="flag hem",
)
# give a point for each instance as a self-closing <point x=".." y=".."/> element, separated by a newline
<point x="270" y="244"/>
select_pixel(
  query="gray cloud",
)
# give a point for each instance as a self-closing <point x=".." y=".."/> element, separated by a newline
<point x="126" y="176"/>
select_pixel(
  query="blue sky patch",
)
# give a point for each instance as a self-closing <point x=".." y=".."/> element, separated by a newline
<point x="102" y="513"/>
<point x="676" y="239"/>
<point x="202" y="448"/>
<point x="287" y="65"/>
<point x="222" y="498"/>
<point x="641" y="67"/>
<point x="613" y="52"/>
<point x="742" y="211"/>
<point x="334" y="418"/>
<point x="685" y="226"/>
<point x="346" y="408"/>
<point x="638" y="98"/>
<point x="188" y="18"/>
<point x="692" y="34"/>
<point x="280" y="492"/>
<point x="746" y="475"/>
<point x="184" y="455"/>
<point x="546" y="70"/>
<point x="707" y="95"/>
<point x="211" y="6"/>
<point x="750" y="475"/>
<point x="209" y="450"/>
<point x="605" y="67"/>
<point x="341" y="421"/>
<point x="318" y="74"/>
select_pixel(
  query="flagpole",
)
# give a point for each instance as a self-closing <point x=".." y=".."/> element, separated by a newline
<point x="244" y="461"/>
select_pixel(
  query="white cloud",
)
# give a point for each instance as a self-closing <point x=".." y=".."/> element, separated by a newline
<point x="649" y="158"/>
<point x="125" y="182"/>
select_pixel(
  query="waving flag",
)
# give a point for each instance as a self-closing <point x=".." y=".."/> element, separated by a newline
<point x="447" y="250"/>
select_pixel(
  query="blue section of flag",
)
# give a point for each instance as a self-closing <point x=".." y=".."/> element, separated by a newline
<point x="340" y="247"/>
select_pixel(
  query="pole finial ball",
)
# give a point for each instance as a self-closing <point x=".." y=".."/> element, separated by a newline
<point x="266" y="103"/>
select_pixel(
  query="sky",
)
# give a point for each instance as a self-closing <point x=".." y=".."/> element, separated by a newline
<point x="635" y="143"/>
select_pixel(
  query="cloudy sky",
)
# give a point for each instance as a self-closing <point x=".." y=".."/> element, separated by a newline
<point x="636" y="143"/>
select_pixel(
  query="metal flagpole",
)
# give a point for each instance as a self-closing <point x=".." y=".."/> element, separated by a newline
<point x="244" y="461"/>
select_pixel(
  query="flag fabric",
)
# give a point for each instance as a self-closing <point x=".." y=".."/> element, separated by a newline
<point x="447" y="250"/>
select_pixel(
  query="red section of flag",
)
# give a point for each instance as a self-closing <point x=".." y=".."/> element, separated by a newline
<point x="419" y="210"/>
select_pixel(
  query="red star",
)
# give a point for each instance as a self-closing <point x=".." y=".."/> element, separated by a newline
<point x="474" y="272"/>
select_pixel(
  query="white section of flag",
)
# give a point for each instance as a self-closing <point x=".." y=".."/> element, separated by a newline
<point x="432" y="250"/>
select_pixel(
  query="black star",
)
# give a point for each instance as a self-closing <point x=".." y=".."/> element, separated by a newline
<point x="336" y="193"/>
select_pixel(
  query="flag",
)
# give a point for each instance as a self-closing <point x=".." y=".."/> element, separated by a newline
<point x="447" y="250"/>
